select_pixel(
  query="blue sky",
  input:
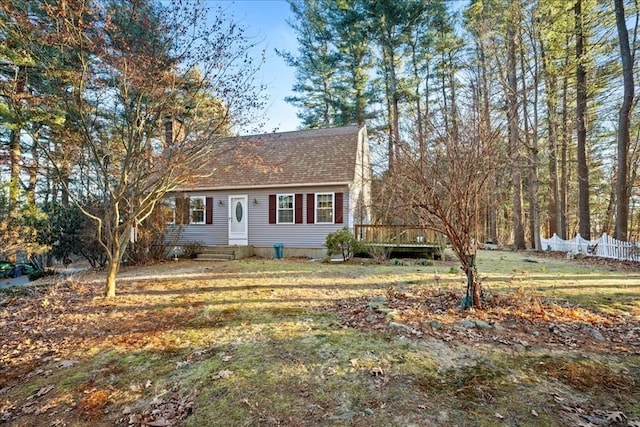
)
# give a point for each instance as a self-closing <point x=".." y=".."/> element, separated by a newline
<point x="265" y="21"/>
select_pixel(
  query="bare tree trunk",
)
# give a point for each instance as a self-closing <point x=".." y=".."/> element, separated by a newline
<point x="564" y="147"/>
<point x="486" y="123"/>
<point x="395" y="113"/>
<point x="33" y="173"/>
<point x="445" y="110"/>
<point x="15" y="149"/>
<point x="531" y="142"/>
<point x="390" y="116"/>
<point x="115" y="250"/>
<point x="454" y="108"/>
<point x="611" y="205"/>
<point x="551" y="83"/>
<point x="623" y="192"/>
<point x="584" y="213"/>
<point x="473" y="297"/>
<point x="514" y="136"/>
<point x="418" y="101"/>
<point x="110" y="286"/>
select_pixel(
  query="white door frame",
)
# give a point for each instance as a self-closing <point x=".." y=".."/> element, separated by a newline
<point x="238" y="230"/>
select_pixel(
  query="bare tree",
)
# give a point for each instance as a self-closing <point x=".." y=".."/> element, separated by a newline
<point x="584" y="210"/>
<point x="623" y="190"/>
<point x="158" y="89"/>
<point x="445" y="190"/>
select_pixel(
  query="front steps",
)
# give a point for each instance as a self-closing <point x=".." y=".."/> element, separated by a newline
<point x="225" y="253"/>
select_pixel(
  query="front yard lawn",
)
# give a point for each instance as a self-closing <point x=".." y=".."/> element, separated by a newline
<point x="299" y="343"/>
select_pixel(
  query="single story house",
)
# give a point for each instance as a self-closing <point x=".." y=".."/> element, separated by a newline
<point x="292" y="188"/>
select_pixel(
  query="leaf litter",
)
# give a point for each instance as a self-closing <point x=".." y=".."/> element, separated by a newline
<point x="54" y="336"/>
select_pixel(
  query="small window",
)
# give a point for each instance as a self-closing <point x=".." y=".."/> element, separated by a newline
<point x="196" y="210"/>
<point x="285" y="208"/>
<point x="168" y="210"/>
<point x="324" y="208"/>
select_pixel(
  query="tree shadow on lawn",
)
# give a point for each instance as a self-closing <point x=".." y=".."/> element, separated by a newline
<point x="59" y="321"/>
<point x="67" y="321"/>
<point x="324" y="375"/>
<point x="520" y="278"/>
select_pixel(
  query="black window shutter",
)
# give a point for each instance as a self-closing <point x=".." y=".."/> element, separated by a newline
<point x="272" y="208"/>
<point x="311" y="207"/>
<point x="298" y="212"/>
<point x="338" y="199"/>
<point x="209" y="210"/>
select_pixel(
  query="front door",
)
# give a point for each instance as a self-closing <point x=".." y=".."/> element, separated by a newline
<point x="238" y="230"/>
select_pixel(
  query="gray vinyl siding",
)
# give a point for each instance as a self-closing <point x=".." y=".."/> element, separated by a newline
<point x="260" y="232"/>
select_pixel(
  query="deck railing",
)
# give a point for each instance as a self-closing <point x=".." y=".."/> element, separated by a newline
<point x="398" y="235"/>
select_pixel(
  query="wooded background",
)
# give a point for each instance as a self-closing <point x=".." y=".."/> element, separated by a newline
<point x="538" y="94"/>
<point x="552" y="81"/>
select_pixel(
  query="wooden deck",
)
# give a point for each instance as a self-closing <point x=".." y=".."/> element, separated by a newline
<point x="404" y="239"/>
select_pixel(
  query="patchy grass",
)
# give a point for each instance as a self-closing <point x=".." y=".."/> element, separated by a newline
<point x="297" y="343"/>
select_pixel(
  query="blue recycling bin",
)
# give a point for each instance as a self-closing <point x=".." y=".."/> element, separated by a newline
<point x="278" y="250"/>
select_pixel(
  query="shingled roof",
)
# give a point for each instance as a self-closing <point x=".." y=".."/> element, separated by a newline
<point x="308" y="157"/>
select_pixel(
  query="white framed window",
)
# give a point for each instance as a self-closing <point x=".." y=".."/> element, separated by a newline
<point x="286" y="209"/>
<point x="196" y="210"/>
<point x="324" y="208"/>
<point x="169" y="210"/>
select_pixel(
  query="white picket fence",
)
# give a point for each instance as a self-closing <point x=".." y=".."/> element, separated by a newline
<point x="605" y="246"/>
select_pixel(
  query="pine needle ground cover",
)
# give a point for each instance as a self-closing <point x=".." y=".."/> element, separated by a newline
<point x="301" y="343"/>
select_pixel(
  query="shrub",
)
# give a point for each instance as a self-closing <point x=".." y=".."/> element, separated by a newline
<point x="424" y="261"/>
<point x="193" y="249"/>
<point x="152" y="243"/>
<point x="342" y="242"/>
<point x="378" y="253"/>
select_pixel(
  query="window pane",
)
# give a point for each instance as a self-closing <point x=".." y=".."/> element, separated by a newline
<point x="285" y="216"/>
<point x="324" y="208"/>
<point x="325" y="201"/>
<point x="197" y="203"/>
<point x="197" y="216"/>
<point x="325" y="215"/>
<point x="197" y="210"/>
<point x="285" y="209"/>
<point x="285" y="202"/>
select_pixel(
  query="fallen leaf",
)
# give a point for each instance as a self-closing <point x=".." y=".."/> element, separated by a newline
<point x="42" y="391"/>
<point x="616" y="416"/>
<point x="28" y="408"/>
<point x="225" y="373"/>
<point x="67" y="363"/>
<point x="633" y="423"/>
<point x="148" y="384"/>
<point x="160" y="422"/>
<point x="500" y="416"/>
<point x="377" y="372"/>
<point x="534" y="413"/>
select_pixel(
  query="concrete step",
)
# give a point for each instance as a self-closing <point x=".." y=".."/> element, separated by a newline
<point x="219" y="250"/>
<point x="226" y="252"/>
<point x="214" y="257"/>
